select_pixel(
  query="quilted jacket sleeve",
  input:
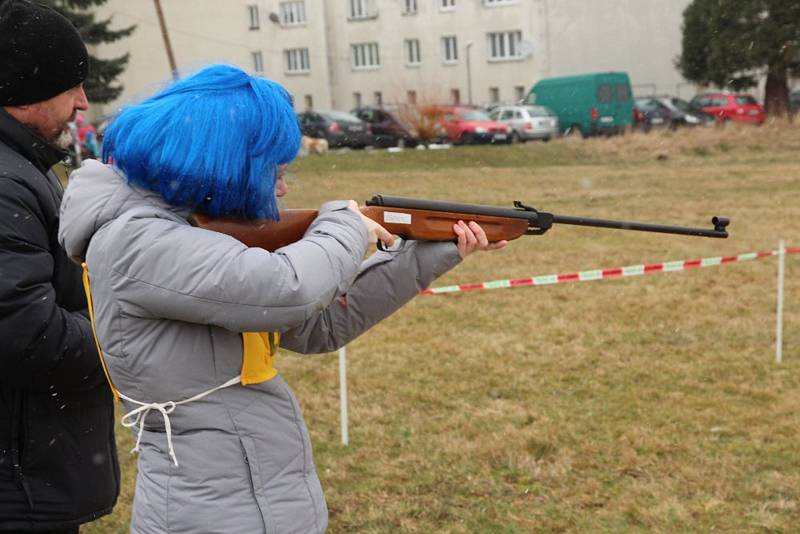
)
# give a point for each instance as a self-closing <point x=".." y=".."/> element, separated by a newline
<point x="46" y="346"/>
<point x="194" y="275"/>
<point x="387" y="280"/>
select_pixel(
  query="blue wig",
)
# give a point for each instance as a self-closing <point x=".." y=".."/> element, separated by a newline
<point x="212" y="141"/>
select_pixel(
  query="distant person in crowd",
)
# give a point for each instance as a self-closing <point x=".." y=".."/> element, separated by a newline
<point x="58" y="461"/>
<point x="189" y="320"/>
<point x="87" y="137"/>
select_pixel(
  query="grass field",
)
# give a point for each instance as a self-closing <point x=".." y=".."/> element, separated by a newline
<point x="642" y="404"/>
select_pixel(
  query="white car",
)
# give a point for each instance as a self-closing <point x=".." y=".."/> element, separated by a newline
<point x="527" y="122"/>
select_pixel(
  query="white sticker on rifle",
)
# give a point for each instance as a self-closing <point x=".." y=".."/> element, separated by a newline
<point x="397" y="218"/>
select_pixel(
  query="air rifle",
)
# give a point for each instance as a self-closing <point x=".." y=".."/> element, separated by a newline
<point x="431" y="220"/>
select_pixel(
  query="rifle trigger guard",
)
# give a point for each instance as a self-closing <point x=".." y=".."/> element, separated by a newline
<point x="540" y="223"/>
<point x="383" y="248"/>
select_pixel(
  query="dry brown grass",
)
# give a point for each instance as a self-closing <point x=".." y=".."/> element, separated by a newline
<point x="645" y="404"/>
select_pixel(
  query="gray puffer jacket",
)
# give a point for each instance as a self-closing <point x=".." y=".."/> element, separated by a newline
<point x="170" y="302"/>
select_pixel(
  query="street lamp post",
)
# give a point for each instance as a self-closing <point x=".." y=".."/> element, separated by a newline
<point x="469" y="74"/>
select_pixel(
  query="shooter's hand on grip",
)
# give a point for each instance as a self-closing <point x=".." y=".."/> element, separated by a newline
<point x="375" y="231"/>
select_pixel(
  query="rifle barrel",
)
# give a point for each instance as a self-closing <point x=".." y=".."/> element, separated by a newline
<point x="718" y="230"/>
<point x="541" y="221"/>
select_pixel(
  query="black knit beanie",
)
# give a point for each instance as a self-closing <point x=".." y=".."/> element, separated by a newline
<point x="41" y="53"/>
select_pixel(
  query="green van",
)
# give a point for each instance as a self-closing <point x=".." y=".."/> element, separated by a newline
<point x="587" y="104"/>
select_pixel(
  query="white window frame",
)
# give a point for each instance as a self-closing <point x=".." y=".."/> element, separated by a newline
<point x="297" y="60"/>
<point x="293" y="13"/>
<point x="258" y="61"/>
<point x="361" y="9"/>
<point x="504" y="46"/>
<point x="449" y="49"/>
<point x="255" y="22"/>
<point x="365" y="56"/>
<point x="499" y="3"/>
<point x="410" y="7"/>
<point x="357" y="99"/>
<point x="412" y="50"/>
<point x="447" y="5"/>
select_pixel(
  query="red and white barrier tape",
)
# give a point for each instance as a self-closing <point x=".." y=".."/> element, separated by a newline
<point x="602" y="274"/>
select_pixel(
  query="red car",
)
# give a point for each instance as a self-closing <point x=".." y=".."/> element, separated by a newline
<point x="730" y="107"/>
<point x="466" y="125"/>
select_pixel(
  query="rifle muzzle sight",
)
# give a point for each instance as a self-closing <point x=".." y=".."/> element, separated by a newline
<point x="720" y="223"/>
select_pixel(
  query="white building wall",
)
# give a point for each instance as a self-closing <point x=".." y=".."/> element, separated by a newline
<point x="211" y="31"/>
<point x="433" y="80"/>
<point x="641" y="37"/>
<point x="563" y="37"/>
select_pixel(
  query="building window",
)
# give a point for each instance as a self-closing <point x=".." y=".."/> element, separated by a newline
<point x="309" y="102"/>
<point x="455" y="97"/>
<point x="362" y="9"/>
<point x="409" y="7"/>
<point x="258" y="61"/>
<point x="504" y="45"/>
<point x="413" y="56"/>
<point x="293" y="13"/>
<point x="447" y="5"/>
<point x="254" y="22"/>
<point x="365" y="56"/>
<point x="492" y="3"/>
<point x="519" y="93"/>
<point x="494" y="94"/>
<point x="449" y="49"/>
<point x="411" y="97"/>
<point x="297" y="60"/>
<point x="356" y="100"/>
<point x="377" y="98"/>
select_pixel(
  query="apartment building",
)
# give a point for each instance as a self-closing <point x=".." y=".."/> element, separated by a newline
<point x="337" y="54"/>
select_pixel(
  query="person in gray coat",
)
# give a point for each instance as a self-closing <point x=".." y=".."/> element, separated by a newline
<point x="188" y="320"/>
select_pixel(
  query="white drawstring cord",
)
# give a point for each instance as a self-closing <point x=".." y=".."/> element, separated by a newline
<point x="138" y="415"/>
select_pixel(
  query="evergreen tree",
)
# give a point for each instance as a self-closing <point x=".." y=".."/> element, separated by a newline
<point x="732" y="43"/>
<point x="99" y="85"/>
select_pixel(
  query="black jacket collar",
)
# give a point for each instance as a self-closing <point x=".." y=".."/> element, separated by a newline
<point x="25" y="142"/>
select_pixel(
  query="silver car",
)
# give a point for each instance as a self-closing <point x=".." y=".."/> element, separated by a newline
<point x="527" y="122"/>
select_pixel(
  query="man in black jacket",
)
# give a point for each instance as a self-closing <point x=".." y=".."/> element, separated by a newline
<point x="58" y="462"/>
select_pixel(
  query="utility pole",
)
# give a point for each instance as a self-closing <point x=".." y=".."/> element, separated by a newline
<point x="170" y="56"/>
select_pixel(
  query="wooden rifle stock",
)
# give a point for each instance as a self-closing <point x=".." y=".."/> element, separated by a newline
<point x="429" y="220"/>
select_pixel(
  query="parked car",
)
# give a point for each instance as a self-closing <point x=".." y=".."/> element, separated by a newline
<point x="649" y="113"/>
<point x="527" y="122"/>
<point x="491" y="106"/>
<point x="468" y="125"/>
<point x="391" y="125"/>
<point x="588" y="104"/>
<point x="731" y="107"/>
<point x="339" y="128"/>
<point x="683" y="114"/>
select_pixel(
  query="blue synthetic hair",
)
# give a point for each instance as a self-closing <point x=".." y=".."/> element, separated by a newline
<point x="212" y="141"/>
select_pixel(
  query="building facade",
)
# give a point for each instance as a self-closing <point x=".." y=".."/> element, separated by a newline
<point x="337" y="54"/>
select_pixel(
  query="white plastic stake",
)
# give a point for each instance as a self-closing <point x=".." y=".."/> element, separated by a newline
<point x="343" y="393"/>
<point x="779" y="314"/>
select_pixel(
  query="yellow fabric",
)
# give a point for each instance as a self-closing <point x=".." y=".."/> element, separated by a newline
<point x="259" y="350"/>
<point x="94" y="330"/>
